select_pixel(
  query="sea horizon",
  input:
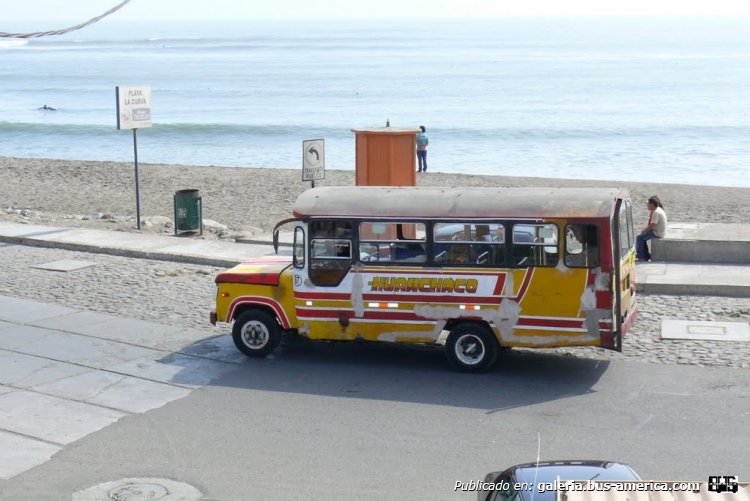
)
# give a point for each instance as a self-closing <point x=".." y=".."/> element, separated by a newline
<point x="659" y="100"/>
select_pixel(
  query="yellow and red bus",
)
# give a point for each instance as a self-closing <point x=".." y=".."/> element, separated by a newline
<point x="475" y="269"/>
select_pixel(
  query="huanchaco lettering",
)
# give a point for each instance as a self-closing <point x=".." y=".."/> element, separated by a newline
<point x="423" y="284"/>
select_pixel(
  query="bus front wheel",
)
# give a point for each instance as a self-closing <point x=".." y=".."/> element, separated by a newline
<point x="471" y="347"/>
<point x="256" y="333"/>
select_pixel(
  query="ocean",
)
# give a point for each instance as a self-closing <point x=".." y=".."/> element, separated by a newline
<point x="662" y="100"/>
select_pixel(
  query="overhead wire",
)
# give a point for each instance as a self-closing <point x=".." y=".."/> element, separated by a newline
<point x="39" y="34"/>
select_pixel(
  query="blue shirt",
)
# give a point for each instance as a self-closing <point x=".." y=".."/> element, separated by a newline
<point x="422" y="141"/>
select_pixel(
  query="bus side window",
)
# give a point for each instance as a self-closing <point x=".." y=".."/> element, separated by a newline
<point x="330" y="251"/>
<point x="535" y="245"/>
<point x="581" y="246"/>
<point x="469" y="244"/>
<point x="392" y="242"/>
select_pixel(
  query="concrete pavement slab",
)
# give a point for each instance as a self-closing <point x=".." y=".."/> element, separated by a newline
<point x="27" y="453"/>
<point x="52" y="391"/>
<point x="24" y="310"/>
<point x="19" y="336"/>
<point x="704" y="243"/>
<point x="704" y="330"/>
<point x="65" y="265"/>
<point x="125" y="393"/>
<point x="52" y="419"/>
<point x="175" y="369"/>
<point x="72" y="348"/>
<point x="26" y="371"/>
<point x="702" y="279"/>
<point x="126" y="330"/>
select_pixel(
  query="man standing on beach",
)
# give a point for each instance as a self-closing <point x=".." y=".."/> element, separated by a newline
<point x="422" y="142"/>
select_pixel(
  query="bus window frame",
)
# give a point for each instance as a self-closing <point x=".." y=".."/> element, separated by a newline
<point x="342" y="271"/>
<point x="398" y="222"/>
<point x="301" y="245"/>
<point x="536" y="222"/>
<point x="566" y="253"/>
<point x="469" y="242"/>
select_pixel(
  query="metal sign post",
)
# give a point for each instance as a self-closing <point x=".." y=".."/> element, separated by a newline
<point x="134" y="111"/>
<point x="313" y="160"/>
<point x="137" y="190"/>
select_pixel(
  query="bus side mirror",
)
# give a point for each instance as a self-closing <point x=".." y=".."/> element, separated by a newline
<point x="276" y="240"/>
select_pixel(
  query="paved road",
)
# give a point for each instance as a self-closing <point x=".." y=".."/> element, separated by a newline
<point x="343" y="421"/>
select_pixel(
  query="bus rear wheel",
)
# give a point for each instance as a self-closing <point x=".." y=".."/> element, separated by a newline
<point x="256" y="333"/>
<point x="471" y="347"/>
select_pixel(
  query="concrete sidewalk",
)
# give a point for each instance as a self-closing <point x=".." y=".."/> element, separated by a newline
<point x="717" y="243"/>
<point x="184" y="249"/>
<point x="693" y="279"/>
<point x="66" y="373"/>
<point x="654" y="278"/>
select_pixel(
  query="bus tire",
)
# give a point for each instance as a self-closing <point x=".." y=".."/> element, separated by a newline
<point x="471" y="347"/>
<point x="256" y="333"/>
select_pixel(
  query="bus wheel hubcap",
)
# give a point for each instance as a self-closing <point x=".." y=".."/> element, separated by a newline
<point x="470" y="349"/>
<point x="255" y="334"/>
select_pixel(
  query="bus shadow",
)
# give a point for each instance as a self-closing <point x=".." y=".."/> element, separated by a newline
<point x="416" y="374"/>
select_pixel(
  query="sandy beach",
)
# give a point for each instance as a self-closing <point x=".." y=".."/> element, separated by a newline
<point x="249" y="201"/>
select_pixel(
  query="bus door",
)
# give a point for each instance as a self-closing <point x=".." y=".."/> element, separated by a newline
<point x="624" y="264"/>
<point x="323" y="252"/>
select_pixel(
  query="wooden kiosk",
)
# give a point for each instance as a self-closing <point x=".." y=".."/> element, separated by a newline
<point x="386" y="156"/>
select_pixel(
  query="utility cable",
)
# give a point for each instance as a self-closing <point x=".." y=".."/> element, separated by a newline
<point x="39" y="34"/>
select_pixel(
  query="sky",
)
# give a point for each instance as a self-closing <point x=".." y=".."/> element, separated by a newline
<point x="61" y="11"/>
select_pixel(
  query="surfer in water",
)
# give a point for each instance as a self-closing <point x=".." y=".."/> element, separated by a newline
<point x="47" y="108"/>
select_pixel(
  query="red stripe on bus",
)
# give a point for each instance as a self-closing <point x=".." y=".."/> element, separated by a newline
<point x="545" y="322"/>
<point x="274" y="305"/>
<point x="404" y="298"/>
<point x="524" y="284"/>
<point x="500" y="284"/>
<point x="407" y="315"/>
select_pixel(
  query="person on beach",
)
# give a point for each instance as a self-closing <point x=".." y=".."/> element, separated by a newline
<point x="656" y="228"/>
<point x="422" y="142"/>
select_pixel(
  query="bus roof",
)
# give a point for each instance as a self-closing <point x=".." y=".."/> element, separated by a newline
<point x="413" y="202"/>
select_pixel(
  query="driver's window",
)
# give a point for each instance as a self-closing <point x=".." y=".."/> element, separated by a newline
<point x="330" y="251"/>
<point x="299" y="248"/>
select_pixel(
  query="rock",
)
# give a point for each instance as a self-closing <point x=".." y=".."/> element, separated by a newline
<point x="97" y="215"/>
<point x="211" y="225"/>
<point x="236" y="235"/>
<point x="159" y="221"/>
<point x="251" y="231"/>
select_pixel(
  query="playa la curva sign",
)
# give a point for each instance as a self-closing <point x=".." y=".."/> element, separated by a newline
<point x="133" y="106"/>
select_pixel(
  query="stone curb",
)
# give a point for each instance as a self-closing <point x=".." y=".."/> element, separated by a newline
<point x="114" y="251"/>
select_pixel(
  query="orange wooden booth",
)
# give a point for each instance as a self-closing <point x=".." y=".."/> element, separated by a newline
<point x="386" y="156"/>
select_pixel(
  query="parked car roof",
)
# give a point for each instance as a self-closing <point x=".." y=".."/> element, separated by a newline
<point x="547" y="472"/>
